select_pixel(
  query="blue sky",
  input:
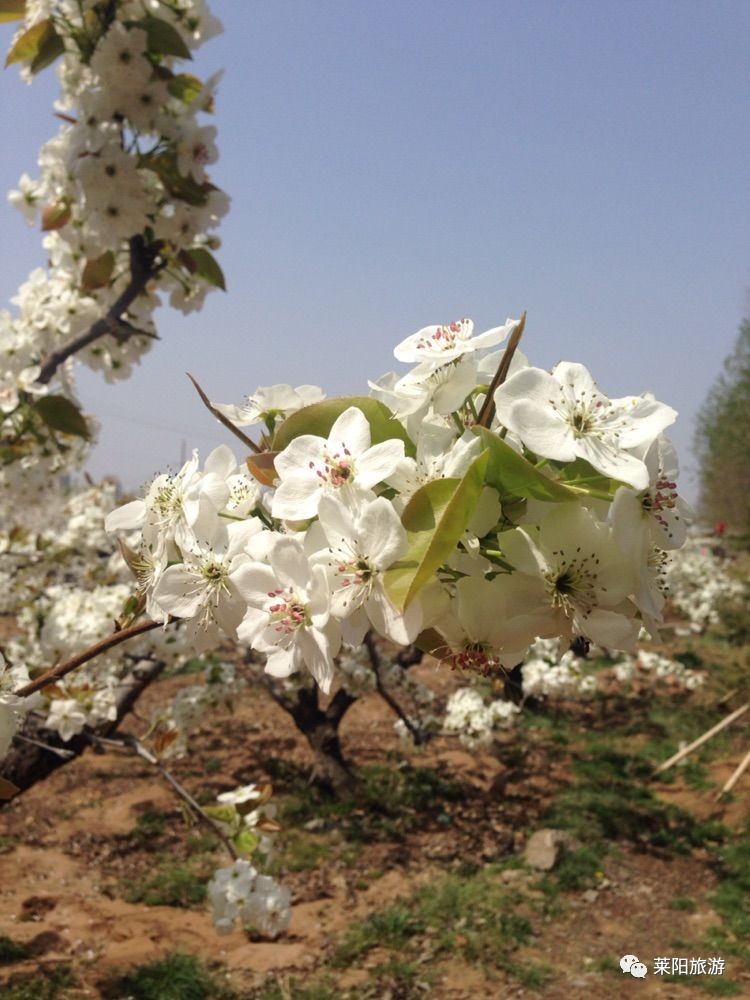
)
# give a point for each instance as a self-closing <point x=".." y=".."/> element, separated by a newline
<point x="397" y="164"/>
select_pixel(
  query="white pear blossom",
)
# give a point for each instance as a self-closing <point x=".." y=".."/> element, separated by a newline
<point x="312" y="466"/>
<point x="437" y="345"/>
<point x="362" y="544"/>
<point x="575" y="570"/>
<point x="564" y="416"/>
<point x="270" y="403"/>
<point x="288" y="615"/>
<point x="656" y="515"/>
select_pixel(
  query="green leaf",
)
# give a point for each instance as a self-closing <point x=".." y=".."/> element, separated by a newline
<point x="513" y="476"/>
<point x="97" y="272"/>
<point x="31" y="43"/>
<point x="55" y="216"/>
<point x="222" y="814"/>
<point x="163" y="38"/>
<point x="185" y="87"/>
<point x="580" y="474"/>
<point x="435" y="518"/>
<point x="203" y="263"/>
<point x="184" y="188"/>
<point x="50" y="48"/>
<point x="60" y="414"/>
<point x="12" y="10"/>
<point x="246" y="841"/>
<point x="319" y="418"/>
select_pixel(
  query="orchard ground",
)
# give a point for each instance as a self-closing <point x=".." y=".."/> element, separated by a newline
<point x="417" y="886"/>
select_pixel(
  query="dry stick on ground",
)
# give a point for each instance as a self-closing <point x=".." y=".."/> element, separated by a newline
<point x="702" y="739"/>
<point x="488" y="407"/>
<point x="742" y="767"/>
<point x="143" y="268"/>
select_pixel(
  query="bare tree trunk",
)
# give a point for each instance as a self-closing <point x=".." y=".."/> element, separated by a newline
<point x="40" y="751"/>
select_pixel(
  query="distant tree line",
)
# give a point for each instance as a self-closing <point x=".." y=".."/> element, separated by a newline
<point x="722" y="441"/>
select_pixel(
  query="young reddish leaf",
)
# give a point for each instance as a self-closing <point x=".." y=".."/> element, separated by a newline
<point x="12" y="10"/>
<point x="7" y="789"/>
<point x="55" y="216"/>
<point x="262" y="468"/>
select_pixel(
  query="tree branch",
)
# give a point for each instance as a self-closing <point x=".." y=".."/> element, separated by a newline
<point x="488" y="406"/>
<point x="417" y="735"/>
<point x="61" y="669"/>
<point x="141" y="271"/>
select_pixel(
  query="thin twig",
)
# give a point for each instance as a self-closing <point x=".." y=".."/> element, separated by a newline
<point x="741" y="768"/>
<point x="417" y="734"/>
<point x="61" y="669"/>
<point x="702" y="739"/>
<point x="141" y="271"/>
<point x="224" y="420"/>
<point x="135" y="744"/>
<point x="488" y="406"/>
<point x="57" y="751"/>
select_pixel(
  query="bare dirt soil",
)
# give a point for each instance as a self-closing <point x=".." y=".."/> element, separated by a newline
<point x="88" y="854"/>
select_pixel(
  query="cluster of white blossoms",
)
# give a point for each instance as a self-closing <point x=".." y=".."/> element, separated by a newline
<point x="698" y="583"/>
<point x="240" y="894"/>
<point x="124" y="198"/>
<point x="474" y="720"/>
<point x="546" y="674"/>
<point x="467" y="518"/>
<point x="649" y="666"/>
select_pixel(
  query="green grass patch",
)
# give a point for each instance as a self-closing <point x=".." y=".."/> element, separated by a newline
<point x="170" y="883"/>
<point x="387" y="803"/>
<point x="50" y="984"/>
<point x="684" y="903"/>
<point x="476" y="918"/>
<point x="11" y="951"/>
<point x="176" y="977"/>
<point x="610" y="800"/>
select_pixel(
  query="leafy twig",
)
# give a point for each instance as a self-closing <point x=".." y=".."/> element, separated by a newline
<point x="142" y="269"/>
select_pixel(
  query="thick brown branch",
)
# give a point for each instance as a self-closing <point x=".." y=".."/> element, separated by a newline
<point x="61" y="669"/>
<point x="141" y="271"/>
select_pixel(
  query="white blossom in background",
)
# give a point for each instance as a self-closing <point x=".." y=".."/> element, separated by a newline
<point x="474" y="721"/>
